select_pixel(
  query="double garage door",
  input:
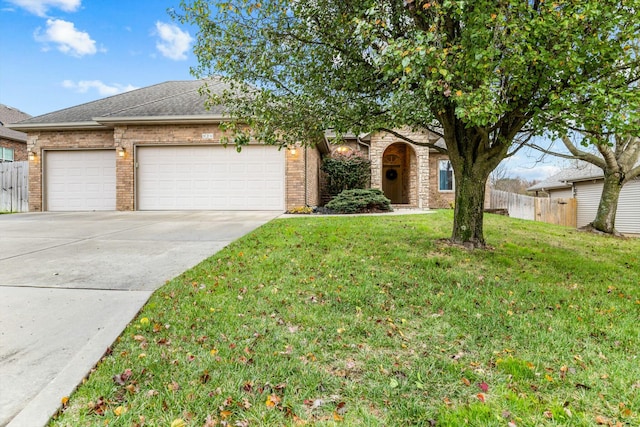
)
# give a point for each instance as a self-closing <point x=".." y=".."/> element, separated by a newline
<point x="169" y="178"/>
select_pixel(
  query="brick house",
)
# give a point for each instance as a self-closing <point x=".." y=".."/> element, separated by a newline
<point x="158" y="148"/>
<point x="13" y="144"/>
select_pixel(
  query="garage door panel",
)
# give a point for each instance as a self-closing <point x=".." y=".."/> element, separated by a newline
<point x="80" y="180"/>
<point x="210" y="178"/>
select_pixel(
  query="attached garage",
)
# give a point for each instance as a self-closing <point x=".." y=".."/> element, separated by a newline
<point x="210" y="178"/>
<point x="161" y="148"/>
<point x="80" y="180"/>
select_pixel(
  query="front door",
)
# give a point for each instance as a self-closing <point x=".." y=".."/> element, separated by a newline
<point x="394" y="173"/>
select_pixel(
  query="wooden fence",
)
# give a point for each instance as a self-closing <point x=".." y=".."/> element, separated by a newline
<point x="518" y="205"/>
<point x="557" y="211"/>
<point x="561" y="211"/>
<point x="14" y="196"/>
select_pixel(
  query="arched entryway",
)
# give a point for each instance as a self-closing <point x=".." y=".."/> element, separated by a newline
<point x="396" y="172"/>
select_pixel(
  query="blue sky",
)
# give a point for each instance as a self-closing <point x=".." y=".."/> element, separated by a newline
<point x="61" y="53"/>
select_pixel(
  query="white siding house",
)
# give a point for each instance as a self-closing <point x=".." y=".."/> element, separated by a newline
<point x="585" y="184"/>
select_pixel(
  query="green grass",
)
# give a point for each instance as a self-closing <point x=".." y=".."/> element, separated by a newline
<point x="377" y="321"/>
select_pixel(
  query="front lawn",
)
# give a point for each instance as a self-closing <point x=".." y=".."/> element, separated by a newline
<point x="376" y="321"/>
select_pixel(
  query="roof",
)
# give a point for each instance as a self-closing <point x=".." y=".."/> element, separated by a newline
<point x="163" y="102"/>
<point x="10" y="115"/>
<point x="583" y="171"/>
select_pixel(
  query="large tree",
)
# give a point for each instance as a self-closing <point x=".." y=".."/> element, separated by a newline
<point x="484" y="74"/>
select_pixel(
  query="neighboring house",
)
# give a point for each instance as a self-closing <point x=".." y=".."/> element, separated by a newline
<point x="158" y="148"/>
<point x="13" y="144"/>
<point x="584" y="183"/>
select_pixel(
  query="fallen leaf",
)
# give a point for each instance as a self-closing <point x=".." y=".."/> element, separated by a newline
<point x="466" y="381"/>
<point x="225" y="414"/>
<point x="178" y="422"/>
<point x="481" y="397"/>
<point x="119" y="411"/>
<point x="272" y="400"/>
<point x="484" y="386"/>
<point x="341" y="408"/>
<point x="600" y="420"/>
<point x="64" y="401"/>
<point x="121" y="379"/>
<point x="210" y="422"/>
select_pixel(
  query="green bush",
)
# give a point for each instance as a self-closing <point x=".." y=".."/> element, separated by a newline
<point x="359" y="201"/>
<point x="346" y="172"/>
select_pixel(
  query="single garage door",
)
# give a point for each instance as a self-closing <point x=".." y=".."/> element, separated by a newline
<point x="82" y="180"/>
<point x="210" y="178"/>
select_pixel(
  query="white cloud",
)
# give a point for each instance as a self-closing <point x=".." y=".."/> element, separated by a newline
<point x="83" y="86"/>
<point x="538" y="173"/>
<point x="174" y="43"/>
<point x="40" y="7"/>
<point x="69" y="40"/>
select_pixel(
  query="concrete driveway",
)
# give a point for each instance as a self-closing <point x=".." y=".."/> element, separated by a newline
<point x="71" y="282"/>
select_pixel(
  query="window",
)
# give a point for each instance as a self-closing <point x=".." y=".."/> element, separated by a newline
<point x="6" y="154"/>
<point x="445" y="175"/>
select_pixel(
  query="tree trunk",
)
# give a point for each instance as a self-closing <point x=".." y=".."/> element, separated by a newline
<point x="606" y="216"/>
<point x="469" y="208"/>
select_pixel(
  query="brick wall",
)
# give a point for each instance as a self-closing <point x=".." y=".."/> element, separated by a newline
<point x="19" y="149"/>
<point x="438" y="199"/>
<point x="295" y="171"/>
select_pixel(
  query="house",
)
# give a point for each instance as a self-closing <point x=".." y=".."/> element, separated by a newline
<point x="584" y="183"/>
<point x="158" y="148"/>
<point x="13" y="144"/>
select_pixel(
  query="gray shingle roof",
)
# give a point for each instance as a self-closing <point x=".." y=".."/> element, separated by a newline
<point x="581" y="172"/>
<point x="168" y="99"/>
<point x="10" y="115"/>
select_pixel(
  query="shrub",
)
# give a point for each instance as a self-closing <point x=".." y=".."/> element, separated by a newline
<point x="359" y="201"/>
<point x="346" y="172"/>
<point x="300" y="210"/>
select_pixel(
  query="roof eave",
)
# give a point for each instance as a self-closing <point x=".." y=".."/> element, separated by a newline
<point x="586" y="178"/>
<point x="34" y="127"/>
<point x="162" y="120"/>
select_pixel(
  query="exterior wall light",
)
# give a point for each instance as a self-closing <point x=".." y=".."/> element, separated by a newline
<point x="32" y="155"/>
<point x="120" y="151"/>
<point x="293" y="151"/>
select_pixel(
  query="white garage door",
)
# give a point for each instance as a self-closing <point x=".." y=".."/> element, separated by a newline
<point x="210" y="178"/>
<point x="83" y="180"/>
